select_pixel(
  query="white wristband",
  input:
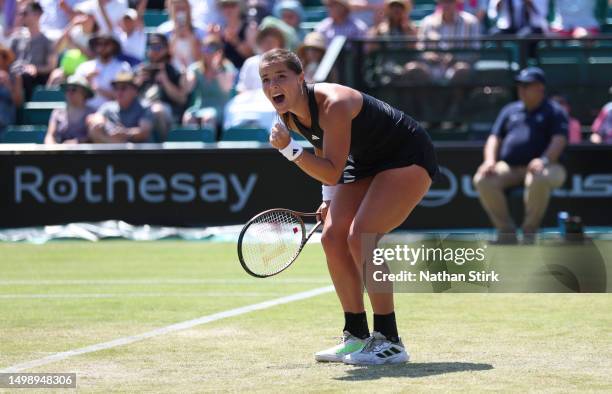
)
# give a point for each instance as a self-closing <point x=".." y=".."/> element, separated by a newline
<point x="292" y="151"/>
<point x="328" y="192"/>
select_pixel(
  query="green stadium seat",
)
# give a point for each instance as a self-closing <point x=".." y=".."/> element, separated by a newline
<point x="190" y="134"/>
<point x="43" y="94"/>
<point x="314" y="14"/>
<point x="240" y="134"/>
<point x="23" y="135"/>
<point x="154" y="18"/>
<point x="38" y="113"/>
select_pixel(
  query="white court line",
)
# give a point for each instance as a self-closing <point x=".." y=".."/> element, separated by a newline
<point x="136" y="295"/>
<point x="179" y="281"/>
<point x="168" y="329"/>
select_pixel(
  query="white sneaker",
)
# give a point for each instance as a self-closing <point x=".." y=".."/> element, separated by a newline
<point x="378" y="350"/>
<point x="348" y="345"/>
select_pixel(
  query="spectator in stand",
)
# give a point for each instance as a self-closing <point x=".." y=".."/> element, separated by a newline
<point x="210" y="81"/>
<point x="162" y="88"/>
<point x="238" y="36"/>
<point x="108" y="13"/>
<point x="250" y="107"/>
<point x="184" y="37"/>
<point x="396" y="23"/>
<point x="35" y="58"/>
<point x="340" y="22"/>
<point x="447" y="24"/>
<point x="371" y="12"/>
<point x="56" y="15"/>
<point x="7" y="19"/>
<point x="524" y="148"/>
<point x="439" y="30"/>
<point x="574" y="128"/>
<point x="68" y="125"/>
<point x="575" y="18"/>
<point x="11" y="95"/>
<point x="478" y="8"/>
<point x="311" y="53"/>
<point x="122" y="120"/>
<point x="519" y="17"/>
<point x="267" y="38"/>
<point x="179" y="13"/>
<point x="74" y="46"/>
<point x="132" y="36"/>
<point x="205" y="13"/>
<point x="292" y="13"/>
<point x="602" y="126"/>
<point x="101" y="71"/>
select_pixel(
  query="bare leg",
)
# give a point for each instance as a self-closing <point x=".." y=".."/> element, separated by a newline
<point x="342" y="268"/>
<point x="391" y="197"/>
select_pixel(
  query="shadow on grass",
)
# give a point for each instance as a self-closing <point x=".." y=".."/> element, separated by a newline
<point x="410" y="370"/>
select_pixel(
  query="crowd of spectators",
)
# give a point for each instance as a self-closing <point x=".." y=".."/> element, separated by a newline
<point x="127" y="82"/>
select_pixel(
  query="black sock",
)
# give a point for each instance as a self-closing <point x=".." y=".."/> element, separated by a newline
<point x="356" y="324"/>
<point x="385" y="324"/>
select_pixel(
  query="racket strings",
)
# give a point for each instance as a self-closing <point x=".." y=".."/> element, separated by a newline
<point x="272" y="241"/>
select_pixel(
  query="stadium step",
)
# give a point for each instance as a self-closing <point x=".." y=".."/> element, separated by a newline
<point x="190" y="134"/>
<point x="24" y="135"/>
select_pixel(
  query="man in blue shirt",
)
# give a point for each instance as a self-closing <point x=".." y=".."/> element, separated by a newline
<point x="527" y="139"/>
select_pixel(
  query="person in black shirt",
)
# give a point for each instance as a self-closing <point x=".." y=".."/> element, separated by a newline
<point x="376" y="164"/>
<point x="161" y="86"/>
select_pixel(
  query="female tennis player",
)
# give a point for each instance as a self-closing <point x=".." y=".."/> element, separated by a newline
<point x="376" y="164"/>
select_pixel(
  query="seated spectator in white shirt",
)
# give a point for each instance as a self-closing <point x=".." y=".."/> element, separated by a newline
<point x="439" y="30"/>
<point x="250" y="107"/>
<point x="109" y="16"/>
<point x="101" y="70"/>
<point x="340" y="22"/>
<point x="132" y="37"/>
<point x="56" y="15"/>
<point x="520" y="17"/>
<point x="575" y="18"/>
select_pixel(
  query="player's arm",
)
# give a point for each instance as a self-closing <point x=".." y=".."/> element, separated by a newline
<point x="336" y="120"/>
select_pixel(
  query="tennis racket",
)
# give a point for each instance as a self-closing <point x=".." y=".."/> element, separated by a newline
<point x="271" y="241"/>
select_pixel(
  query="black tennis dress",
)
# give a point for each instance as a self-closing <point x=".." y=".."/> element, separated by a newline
<point x="382" y="138"/>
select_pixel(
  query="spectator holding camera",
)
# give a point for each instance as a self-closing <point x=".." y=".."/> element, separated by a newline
<point x="237" y="35"/>
<point x="124" y="119"/>
<point x="68" y="125"/>
<point x="162" y="87"/>
<point x="35" y="58"/>
<point x="11" y="95"/>
<point x="183" y="37"/>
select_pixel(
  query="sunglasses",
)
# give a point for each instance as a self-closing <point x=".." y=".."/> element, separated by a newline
<point x="120" y="87"/>
<point x="72" y="89"/>
<point x="103" y="43"/>
<point x="209" y="49"/>
<point x="156" y="47"/>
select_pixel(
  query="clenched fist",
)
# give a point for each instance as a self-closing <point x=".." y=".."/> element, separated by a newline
<point x="279" y="136"/>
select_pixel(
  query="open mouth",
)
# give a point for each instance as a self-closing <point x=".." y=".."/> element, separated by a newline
<point x="278" y="99"/>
